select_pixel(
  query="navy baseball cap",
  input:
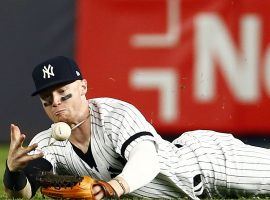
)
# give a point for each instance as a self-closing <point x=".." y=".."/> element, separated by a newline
<point x="55" y="71"/>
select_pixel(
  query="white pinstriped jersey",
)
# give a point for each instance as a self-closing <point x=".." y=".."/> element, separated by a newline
<point x="196" y="163"/>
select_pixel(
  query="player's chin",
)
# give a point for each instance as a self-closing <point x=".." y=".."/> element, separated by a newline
<point x="60" y="118"/>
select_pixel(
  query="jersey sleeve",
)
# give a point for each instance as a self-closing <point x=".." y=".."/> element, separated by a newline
<point x="129" y="128"/>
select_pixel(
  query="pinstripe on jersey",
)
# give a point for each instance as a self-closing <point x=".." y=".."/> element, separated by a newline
<point x="207" y="161"/>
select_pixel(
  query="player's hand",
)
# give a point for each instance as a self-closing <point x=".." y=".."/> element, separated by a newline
<point x="98" y="192"/>
<point x="18" y="156"/>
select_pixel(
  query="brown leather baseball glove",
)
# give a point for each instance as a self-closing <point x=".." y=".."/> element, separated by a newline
<point x="72" y="187"/>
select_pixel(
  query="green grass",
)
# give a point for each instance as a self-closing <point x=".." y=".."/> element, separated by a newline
<point x="3" y="156"/>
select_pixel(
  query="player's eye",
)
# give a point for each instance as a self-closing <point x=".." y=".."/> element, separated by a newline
<point x="47" y="101"/>
<point x="47" y="104"/>
<point x="61" y="91"/>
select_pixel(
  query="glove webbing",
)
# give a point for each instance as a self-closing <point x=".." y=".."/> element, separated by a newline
<point x="48" y="179"/>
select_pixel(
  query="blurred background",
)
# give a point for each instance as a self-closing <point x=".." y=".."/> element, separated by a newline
<point x="185" y="64"/>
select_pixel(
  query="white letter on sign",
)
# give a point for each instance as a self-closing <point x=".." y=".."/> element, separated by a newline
<point x="166" y="81"/>
<point x="267" y="70"/>
<point x="240" y="69"/>
<point x="167" y="40"/>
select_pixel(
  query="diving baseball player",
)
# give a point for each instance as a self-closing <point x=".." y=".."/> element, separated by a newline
<point x="111" y="140"/>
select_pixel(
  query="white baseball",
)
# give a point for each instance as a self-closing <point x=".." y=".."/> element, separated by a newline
<point x="61" y="131"/>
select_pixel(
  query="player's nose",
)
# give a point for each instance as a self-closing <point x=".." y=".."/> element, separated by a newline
<point x="56" y="99"/>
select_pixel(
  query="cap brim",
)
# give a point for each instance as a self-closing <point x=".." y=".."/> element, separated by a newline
<point x="53" y="84"/>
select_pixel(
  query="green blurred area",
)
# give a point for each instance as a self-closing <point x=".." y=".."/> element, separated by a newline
<point x="3" y="157"/>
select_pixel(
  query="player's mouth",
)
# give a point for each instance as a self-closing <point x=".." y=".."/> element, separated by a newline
<point x="59" y="112"/>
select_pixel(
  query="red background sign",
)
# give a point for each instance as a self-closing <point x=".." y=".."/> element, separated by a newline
<point x="186" y="64"/>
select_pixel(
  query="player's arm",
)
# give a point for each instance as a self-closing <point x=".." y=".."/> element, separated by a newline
<point x="141" y="168"/>
<point x="21" y="188"/>
<point x="15" y="180"/>
<point x="25" y="179"/>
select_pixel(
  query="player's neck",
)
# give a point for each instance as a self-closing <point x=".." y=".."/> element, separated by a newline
<point x="80" y="137"/>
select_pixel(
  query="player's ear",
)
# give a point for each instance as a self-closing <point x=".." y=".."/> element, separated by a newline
<point x="83" y="87"/>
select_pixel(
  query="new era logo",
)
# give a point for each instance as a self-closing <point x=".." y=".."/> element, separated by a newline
<point x="48" y="71"/>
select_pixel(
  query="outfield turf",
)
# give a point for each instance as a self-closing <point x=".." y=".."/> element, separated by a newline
<point x="3" y="155"/>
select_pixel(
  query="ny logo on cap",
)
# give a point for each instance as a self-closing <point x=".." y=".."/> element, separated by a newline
<point x="48" y="71"/>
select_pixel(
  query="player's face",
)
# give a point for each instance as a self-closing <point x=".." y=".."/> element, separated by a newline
<point x="65" y="103"/>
